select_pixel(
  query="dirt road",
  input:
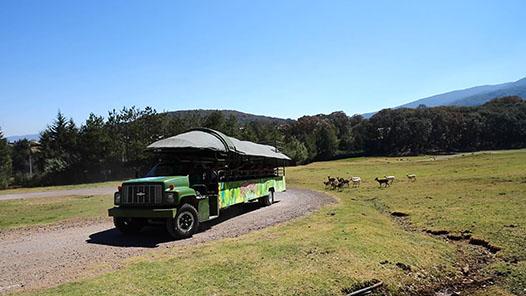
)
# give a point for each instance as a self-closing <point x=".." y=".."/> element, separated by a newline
<point x="52" y="255"/>
<point x="54" y="193"/>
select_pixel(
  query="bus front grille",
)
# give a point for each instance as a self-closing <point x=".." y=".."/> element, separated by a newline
<point x="142" y="194"/>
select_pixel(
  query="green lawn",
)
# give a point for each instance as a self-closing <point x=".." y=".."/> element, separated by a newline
<point x="61" y="187"/>
<point x="355" y="240"/>
<point x="39" y="211"/>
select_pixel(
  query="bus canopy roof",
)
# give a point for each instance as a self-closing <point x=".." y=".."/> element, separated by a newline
<point x="212" y="140"/>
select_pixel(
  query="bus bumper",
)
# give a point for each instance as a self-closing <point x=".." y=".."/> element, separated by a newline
<point x="142" y="213"/>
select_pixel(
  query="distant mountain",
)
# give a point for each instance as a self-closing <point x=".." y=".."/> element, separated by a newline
<point x="517" y="88"/>
<point x="33" y="137"/>
<point x="241" y="116"/>
<point x="473" y="96"/>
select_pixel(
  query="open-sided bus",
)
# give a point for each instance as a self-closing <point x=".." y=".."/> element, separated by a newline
<point x="199" y="173"/>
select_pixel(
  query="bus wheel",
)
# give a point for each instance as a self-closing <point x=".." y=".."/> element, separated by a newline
<point x="185" y="223"/>
<point x="128" y="225"/>
<point x="267" y="200"/>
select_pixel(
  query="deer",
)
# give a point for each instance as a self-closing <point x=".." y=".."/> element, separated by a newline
<point x="390" y="178"/>
<point x="382" y="181"/>
<point x="343" y="182"/>
<point x="411" y="177"/>
<point x="356" y="181"/>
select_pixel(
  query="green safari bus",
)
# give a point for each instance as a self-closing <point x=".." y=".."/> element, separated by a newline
<point x="198" y="173"/>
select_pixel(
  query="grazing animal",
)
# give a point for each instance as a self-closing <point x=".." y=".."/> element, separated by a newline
<point x="327" y="183"/>
<point x="390" y="178"/>
<point x="340" y="185"/>
<point x="343" y="182"/>
<point x="382" y="181"/>
<point x="356" y="181"/>
<point x="411" y="177"/>
<point x="330" y="179"/>
<point x="334" y="184"/>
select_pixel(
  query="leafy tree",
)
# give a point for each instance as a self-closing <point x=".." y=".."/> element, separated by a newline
<point x="304" y="130"/>
<point x="296" y="150"/>
<point x="342" y="125"/>
<point x="326" y="141"/>
<point x="358" y="129"/>
<point x="504" y="129"/>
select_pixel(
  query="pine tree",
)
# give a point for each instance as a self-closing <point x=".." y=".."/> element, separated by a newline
<point x="215" y="121"/>
<point x="232" y="126"/>
<point x="59" y="146"/>
<point x="5" y="162"/>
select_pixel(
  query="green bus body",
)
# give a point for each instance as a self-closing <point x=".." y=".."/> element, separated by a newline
<point x="178" y="187"/>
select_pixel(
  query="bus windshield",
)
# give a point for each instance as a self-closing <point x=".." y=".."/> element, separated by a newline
<point x="166" y="169"/>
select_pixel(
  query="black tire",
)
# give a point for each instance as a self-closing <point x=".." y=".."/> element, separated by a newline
<point x="267" y="200"/>
<point x="129" y="225"/>
<point x="185" y="223"/>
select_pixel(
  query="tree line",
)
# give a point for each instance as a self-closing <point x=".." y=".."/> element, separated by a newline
<point x="113" y="147"/>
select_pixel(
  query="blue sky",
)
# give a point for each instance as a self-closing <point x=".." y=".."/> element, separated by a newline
<point x="278" y="58"/>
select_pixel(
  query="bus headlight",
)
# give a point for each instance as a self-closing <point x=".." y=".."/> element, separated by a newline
<point x="117" y="198"/>
<point x="170" y="198"/>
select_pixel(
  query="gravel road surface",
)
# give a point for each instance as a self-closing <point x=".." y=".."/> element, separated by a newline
<point x="54" y="193"/>
<point x="47" y="256"/>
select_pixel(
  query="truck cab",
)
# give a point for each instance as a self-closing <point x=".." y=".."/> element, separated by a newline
<point x="167" y="192"/>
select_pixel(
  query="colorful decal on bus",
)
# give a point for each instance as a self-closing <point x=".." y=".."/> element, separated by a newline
<point x="235" y="192"/>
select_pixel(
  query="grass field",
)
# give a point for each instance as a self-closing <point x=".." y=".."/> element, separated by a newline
<point x="356" y="240"/>
<point x="483" y="194"/>
<point x="39" y="211"/>
<point x="61" y="187"/>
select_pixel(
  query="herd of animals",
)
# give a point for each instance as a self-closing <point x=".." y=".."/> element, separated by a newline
<point x="340" y="183"/>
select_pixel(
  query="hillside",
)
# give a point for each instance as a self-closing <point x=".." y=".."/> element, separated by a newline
<point x="32" y="137"/>
<point x="517" y="88"/>
<point x="473" y="96"/>
<point x="242" y="117"/>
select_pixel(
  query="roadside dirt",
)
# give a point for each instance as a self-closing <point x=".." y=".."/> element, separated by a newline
<point x="58" y="193"/>
<point x="474" y="255"/>
<point x="48" y="256"/>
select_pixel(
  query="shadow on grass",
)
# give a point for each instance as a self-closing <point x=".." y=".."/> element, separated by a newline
<point x="152" y="236"/>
